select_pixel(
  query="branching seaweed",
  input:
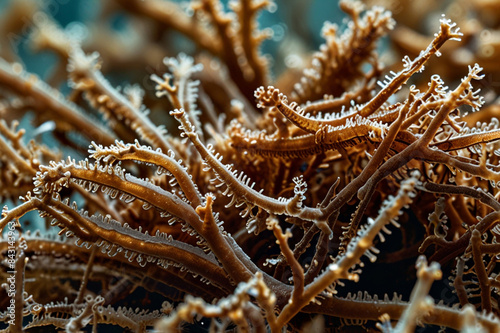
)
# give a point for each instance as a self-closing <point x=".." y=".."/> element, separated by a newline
<point x="292" y="204"/>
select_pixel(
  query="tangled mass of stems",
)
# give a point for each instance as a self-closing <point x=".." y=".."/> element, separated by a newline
<point x="291" y="204"/>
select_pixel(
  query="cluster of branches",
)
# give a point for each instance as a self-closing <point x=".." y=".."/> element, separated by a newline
<point x="267" y="208"/>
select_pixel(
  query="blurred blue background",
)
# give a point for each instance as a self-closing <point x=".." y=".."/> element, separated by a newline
<point x="300" y="19"/>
